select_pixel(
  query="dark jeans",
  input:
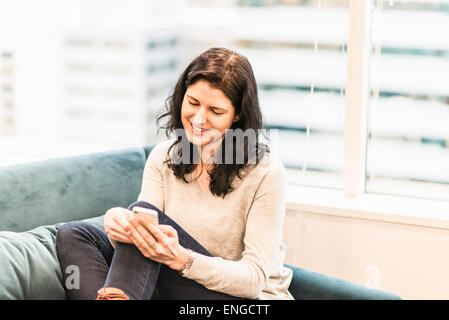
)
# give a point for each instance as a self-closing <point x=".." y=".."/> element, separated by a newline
<point x="86" y="249"/>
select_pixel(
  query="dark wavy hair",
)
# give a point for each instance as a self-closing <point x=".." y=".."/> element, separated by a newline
<point x="231" y="73"/>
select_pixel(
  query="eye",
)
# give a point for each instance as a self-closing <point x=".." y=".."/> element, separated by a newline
<point x="215" y="112"/>
<point x="194" y="104"/>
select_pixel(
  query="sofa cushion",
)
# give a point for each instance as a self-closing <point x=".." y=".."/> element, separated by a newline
<point x="29" y="267"/>
<point x="67" y="189"/>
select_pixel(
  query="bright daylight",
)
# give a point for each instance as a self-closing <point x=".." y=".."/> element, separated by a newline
<point x="350" y="102"/>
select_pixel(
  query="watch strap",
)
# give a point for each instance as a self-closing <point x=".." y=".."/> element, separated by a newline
<point x="188" y="264"/>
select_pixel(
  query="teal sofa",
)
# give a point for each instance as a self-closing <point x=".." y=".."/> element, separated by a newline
<point x="37" y="198"/>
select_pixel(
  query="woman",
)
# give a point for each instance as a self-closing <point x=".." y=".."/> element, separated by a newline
<point x="220" y="203"/>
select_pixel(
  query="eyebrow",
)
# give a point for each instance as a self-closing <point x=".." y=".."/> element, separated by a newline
<point x="196" y="100"/>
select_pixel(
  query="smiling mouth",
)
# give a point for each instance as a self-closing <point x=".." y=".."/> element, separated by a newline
<point x="198" y="131"/>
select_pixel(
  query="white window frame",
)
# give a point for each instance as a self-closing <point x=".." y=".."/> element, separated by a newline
<point x="353" y="201"/>
<point x="357" y="93"/>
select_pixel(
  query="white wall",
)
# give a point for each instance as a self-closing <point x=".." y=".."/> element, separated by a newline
<point x="409" y="260"/>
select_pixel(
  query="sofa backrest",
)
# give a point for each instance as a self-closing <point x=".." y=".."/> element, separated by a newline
<point x="71" y="188"/>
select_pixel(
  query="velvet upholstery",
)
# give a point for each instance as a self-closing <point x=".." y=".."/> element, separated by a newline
<point x="37" y="198"/>
<point x="309" y="285"/>
<point x="67" y="189"/>
<point x="29" y="267"/>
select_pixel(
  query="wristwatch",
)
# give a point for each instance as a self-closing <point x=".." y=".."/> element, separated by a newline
<point x="188" y="264"/>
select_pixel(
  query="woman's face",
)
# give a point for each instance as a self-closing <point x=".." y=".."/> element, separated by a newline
<point x="206" y="113"/>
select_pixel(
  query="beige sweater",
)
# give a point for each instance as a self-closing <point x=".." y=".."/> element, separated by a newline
<point x="243" y="231"/>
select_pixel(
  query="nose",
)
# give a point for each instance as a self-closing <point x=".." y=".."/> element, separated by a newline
<point x="200" y="116"/>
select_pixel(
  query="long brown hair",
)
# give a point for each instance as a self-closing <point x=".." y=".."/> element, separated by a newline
<point x="231" y="73"/>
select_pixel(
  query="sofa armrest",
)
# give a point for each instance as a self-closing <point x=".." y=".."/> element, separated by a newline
<point x="309" y="285"/>
<point x="29" y="267"/>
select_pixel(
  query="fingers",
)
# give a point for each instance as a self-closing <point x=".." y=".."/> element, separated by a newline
<point x="121" y="224"/>
<point x="168" y="230"/>
<point x="116" y="219"/>
<point x="118" y="229"/>
<point x="114" y="224"/>
<point x="162" y="238"/>
<point x="151" y="241"/>
<point x="157" y="233"/>
<point x="140" y="232"/>
<point x="142" y="238"/>
<point x="117" y="236"/>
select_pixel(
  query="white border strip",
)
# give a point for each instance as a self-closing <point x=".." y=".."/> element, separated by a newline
<point x="357" y="93"/>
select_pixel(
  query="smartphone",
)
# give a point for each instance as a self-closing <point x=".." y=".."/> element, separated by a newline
<point x="146" y="215"/>
<point x="149" y="216"/>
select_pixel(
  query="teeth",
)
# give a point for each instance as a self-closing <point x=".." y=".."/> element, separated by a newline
<point x="197" y="128"/>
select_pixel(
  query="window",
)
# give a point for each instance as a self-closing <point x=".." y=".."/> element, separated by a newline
<point x="298" y="53"/>
<point x="408" y="118"/>
<point x="356" y="92"/>
<point x="7" y="111"/>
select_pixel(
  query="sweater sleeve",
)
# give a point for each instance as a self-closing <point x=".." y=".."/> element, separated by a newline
<point x="248" y="276"/>
<point x="152" y="190"/>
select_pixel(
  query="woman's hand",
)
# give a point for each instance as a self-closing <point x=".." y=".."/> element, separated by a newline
<point x="158" y="242"/>
<point x="116" y="224"/>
